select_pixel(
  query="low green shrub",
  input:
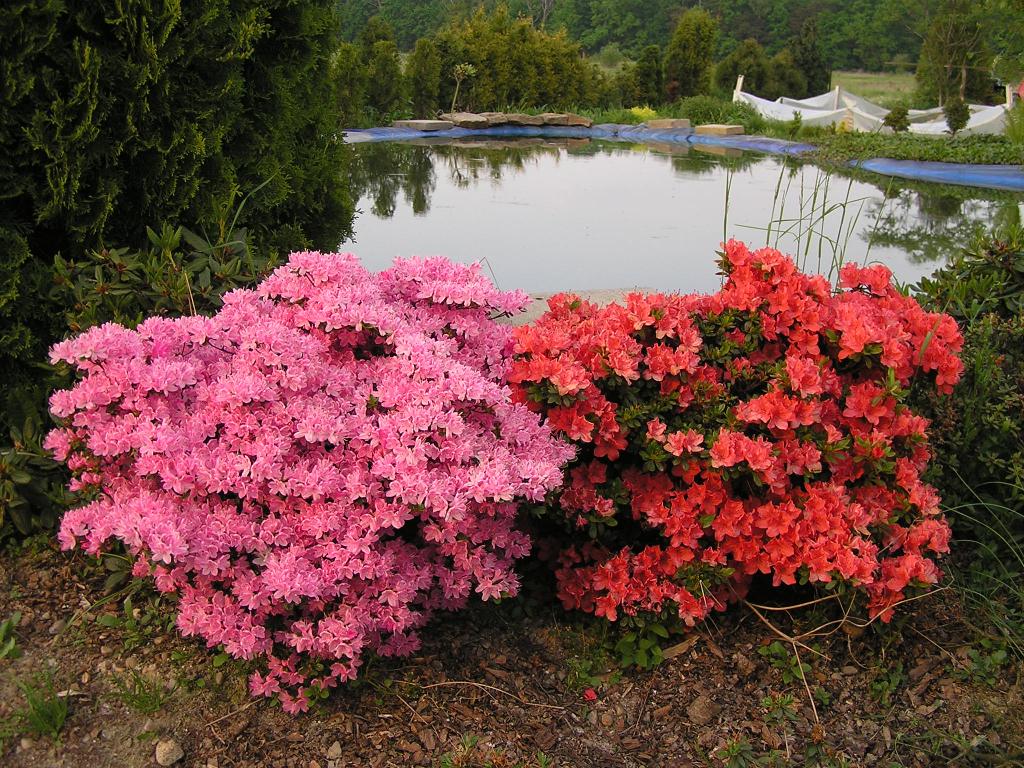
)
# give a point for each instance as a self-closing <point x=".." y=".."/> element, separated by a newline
<point x="700" y="110"/>
<point x="957" y="115"/>
<point x="32" y="485"/>
<point x="839" y="147"/>
<point x="898" y="119"/>
<point x="986" y="278"/>
<point x="978" y="431"/>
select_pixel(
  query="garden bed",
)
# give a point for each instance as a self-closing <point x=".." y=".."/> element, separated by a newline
<point x="491" y="687"/>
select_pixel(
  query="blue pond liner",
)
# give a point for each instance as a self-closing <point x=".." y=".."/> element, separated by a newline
<point x="1006" y="177"/>
<point x="1010" y="177"/>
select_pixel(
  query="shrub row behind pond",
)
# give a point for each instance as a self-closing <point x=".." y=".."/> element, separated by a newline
<point x="759" y="430"/>
<point x="315" y="469"/>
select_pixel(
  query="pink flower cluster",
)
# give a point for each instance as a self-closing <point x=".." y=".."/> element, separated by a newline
<point x="315" y="469"/>
<point x="762" y="429"/>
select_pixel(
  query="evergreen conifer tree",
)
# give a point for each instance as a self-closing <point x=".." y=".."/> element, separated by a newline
<point x="650" y="86"/>
<point x="749" y="60"/>
<point x="424" y="78"/>
<point x="689" y="56"/>
<point x="120" y="114"/>
<point x="809" y="58"/>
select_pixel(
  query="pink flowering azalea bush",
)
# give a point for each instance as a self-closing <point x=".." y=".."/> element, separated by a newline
<point x="314" y="470"/>
<point x="762" y="429"/>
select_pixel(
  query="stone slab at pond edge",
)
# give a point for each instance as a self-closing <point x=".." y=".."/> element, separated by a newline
<point x="716" y="129"/>
<point x="668" y="124"/>
<point x="466" y="119"/>
<point x="988" y="176"/>
<point x="539" y="302"/>
<point x="424" y="125"/>
<point x="565" y="118"/>
<point x="496" y="119"/>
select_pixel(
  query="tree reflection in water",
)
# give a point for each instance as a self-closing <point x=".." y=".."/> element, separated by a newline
<point x="928" y="222"/>
<point x="931" y="222"/>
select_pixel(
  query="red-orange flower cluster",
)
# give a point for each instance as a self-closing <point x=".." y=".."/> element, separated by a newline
<point x="762" y="429"/>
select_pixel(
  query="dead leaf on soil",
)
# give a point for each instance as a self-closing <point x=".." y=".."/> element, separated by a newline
<point x="680" y="648"/>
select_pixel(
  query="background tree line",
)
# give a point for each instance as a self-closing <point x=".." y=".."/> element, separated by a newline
<point x="494" y="60"/>
<point x="855" y="34"/>
<point x="784" y="47"/>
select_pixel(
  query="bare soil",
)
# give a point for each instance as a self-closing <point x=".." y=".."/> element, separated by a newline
<point x="508" y="685"/>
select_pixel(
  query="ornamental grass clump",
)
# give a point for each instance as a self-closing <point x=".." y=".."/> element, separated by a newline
<point x="314" y="470"/>
<point x="760" y="430"/>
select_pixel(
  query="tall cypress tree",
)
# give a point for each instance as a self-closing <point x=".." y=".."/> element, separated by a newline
<point x="689" y="56"/>
<point x="809" y="58"/>
<point x="649" y="85"/>
<point x="424" y="77"/>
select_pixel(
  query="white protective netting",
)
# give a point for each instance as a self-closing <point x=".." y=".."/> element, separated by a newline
<point x="839" y="106"/>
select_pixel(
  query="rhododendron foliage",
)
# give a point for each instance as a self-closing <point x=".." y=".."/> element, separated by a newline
<point x="315" y="469"/>
<point x="762" y="429"/>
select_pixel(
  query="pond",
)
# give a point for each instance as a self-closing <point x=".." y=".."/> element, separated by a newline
<point x="548" y="215"/>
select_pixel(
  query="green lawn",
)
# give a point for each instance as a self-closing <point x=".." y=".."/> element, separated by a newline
<point x="883" y="88"/>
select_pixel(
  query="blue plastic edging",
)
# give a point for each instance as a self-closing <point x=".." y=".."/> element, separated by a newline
<point x="1008" y="177"/>
<point x="1005" y="177"/>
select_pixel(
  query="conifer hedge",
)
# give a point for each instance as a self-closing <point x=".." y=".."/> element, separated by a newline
<point x="119" y="114"/>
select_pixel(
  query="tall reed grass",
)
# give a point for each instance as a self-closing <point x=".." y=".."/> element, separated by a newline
<point x="818" y="227"/>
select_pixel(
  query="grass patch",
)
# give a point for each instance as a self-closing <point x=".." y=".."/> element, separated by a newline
<point x="43" y="714"/>
<point x="844" y="147"/>
<point x="140" y="693"/>
<point x="884" y="88"/>
<point x="699" y="110"/>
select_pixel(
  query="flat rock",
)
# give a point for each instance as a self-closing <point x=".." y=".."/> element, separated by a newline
<point x="168" y="752"/>
<point x="668" y="124"/>
<point x="517" y="118"/>
<point x="719" y="129"/>
<point x="511" y="118"/>
<point x="579" y="120"/>
<point x="495" y="118"/>
<point x="424" y="125"/>
<point x="466" y="119"/>
<point x="539" y="302"/>
<point x="565" y="118"/>
<point x="554" y="118"/>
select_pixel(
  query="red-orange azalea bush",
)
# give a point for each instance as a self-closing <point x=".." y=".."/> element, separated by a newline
<point x="762" y="429"/>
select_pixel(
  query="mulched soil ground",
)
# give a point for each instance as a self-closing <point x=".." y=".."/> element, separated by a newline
<point x="503" y="686"/>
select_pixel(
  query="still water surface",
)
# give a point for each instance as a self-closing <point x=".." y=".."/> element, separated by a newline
<point x="551" y="215"/>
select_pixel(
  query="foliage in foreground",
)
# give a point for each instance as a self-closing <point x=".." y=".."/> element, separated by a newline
<point x="979" y="429"/>
<point x="315" y="469"/>
<point x="763" y="429"/>
<point x="176" y="273"/>
<point x="119" y="115"/>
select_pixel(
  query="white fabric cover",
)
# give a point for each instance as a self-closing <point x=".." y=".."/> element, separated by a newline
<point x="988" y="120"/>
<point x="857" y="113"/>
